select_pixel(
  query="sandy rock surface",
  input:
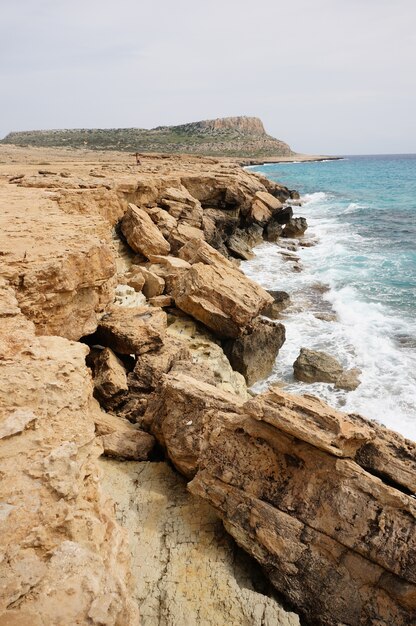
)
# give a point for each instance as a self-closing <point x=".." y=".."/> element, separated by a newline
<point x="64" y="561"/>
<point x="186" y="569"/>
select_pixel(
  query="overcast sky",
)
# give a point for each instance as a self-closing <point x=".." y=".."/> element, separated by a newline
<point x="327" y="76"/>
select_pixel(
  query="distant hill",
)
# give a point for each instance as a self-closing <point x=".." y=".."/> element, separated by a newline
<point x="228" y="136"/>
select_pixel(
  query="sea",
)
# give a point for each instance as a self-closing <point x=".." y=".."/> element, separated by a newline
<point x="353" y="285"/>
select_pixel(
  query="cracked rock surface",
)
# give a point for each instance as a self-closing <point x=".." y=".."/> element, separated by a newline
<point x="186" y="569"/>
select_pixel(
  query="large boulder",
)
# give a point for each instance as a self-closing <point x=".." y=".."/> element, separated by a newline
<point x="177" y="417"/>
<point x="182" y="206"/>
<point x="293" y="482"/>
<point x="254" y="353"/>
<point x="215" y="292"/>
<point x="141" y="233"/>
<point x="313" y="366"/>
<point x="281" y="301"/>
<point x="133" y="330"/>
<point x="295" y="227"/>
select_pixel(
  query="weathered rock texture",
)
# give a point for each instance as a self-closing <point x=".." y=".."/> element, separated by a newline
<point x="64" y="561"/>
<point x="61" y="266"/>
<point x="313" y="366"/>
<point x="215" y="292"/>
<point x="254" y="353"/>
<point x="186" y="569"/>
<point x="322" y="501"/>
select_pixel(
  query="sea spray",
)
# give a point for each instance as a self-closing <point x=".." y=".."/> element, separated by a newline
<point x="355" y="294"/>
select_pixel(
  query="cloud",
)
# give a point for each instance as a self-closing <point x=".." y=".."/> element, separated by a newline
<point x="321" y="74"/>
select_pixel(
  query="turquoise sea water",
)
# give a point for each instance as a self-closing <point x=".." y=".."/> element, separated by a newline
<point x="361" y="213"/>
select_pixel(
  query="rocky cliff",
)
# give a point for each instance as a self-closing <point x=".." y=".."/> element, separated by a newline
<point x="128" y="337"/>
<point x="233" y="136"/>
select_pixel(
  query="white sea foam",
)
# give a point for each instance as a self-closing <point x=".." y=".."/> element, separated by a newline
<point x="364" y="334"/>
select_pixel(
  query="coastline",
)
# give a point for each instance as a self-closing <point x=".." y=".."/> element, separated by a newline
<point x="105" y="260"/>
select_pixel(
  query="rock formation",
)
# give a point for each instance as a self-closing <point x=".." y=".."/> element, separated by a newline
<point x="238" y="136"/>
<point x="313" y="366"/>
<point x="323" y="501"/>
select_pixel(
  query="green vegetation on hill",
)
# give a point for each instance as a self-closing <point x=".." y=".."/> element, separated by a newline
<point x="233" y="136"/>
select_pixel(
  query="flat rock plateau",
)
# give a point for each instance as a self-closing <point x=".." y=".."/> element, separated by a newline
<point x="141" y="480"/>
<point x="229" y="136"/>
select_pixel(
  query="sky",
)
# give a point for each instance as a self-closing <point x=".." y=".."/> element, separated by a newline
<point x="326" y="76"/>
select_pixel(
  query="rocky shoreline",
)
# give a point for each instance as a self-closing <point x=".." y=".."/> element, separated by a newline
<point x="129" y="340"/>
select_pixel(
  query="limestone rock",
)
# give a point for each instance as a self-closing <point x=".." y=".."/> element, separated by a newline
<point x="186" y="569"/>
<point x="65" y="560"/>
<point x="154" y="285"/>
<point x="150" y="367"/>
<point x="208" y="361"/>
<point x="135" y="278"/>
<point x="216" y="293"/>
<point x="182" y="234"/>
<point x="177" y="414"/>
<point x="254" y="353"/>
<point x="305" y="506"/>
<point x="161" y="301"/>
<point x="132" y="330"/>
<point x="295" y="227"/>
<point x="141" y="233"/>
<point x="122" y="440"/>
<point x="182" y="206"/>
<point x="238" y="245"/>
<point x="313" y="366"/>
<point x="260" y="212"/>
<point x="165" y="222"/>
<point x="110" y="377"/>
<point x="272" y="203"/>
<point x="62" y="267"/>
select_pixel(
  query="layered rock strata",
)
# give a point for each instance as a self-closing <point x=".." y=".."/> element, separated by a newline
<point x="322" y="500"/>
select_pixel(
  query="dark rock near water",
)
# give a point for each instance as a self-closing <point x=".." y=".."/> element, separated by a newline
<point x="254" y="353"/>
<point x="295" y="227"/>
<point x="313" y="366"/>
<point x="281" y="301"/>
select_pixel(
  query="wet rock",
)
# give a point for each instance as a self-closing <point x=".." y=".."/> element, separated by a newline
<point x="284" y="215"/>
<point x="349" y="380"/>
<point x="254" y="353"/>
<point x="238" y="245"/>
<point x="281" y="301"/>
<point x="313" y="366"/>
<point x="141" y="233"/>
<point x="273" y="231"/>
<point x="295" y="227"/>
<point x="132" y="330"/>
